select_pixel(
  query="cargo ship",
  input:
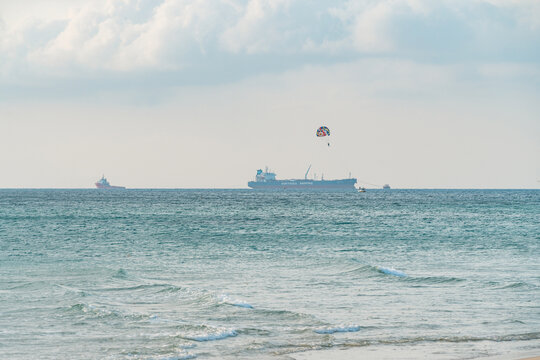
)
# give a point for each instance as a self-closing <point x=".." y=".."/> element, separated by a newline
<point x="104" y="184"/>
<point x="266" y="180"/>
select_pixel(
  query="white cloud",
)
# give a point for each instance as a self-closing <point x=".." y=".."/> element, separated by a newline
<point x="526" y="12"/>
<point x="209" y="36"/>
<point x="109" y="38"/>
<point x="509" y="71"/>
<point x="255" y="30"/>
<point x="369" y="29"/>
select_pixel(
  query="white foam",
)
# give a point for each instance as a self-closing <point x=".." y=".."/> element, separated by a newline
<point x="341" y="328"/>
<point x="390" y="271"/>
<point x="213" y="334"/>
<point x="181" y="357"/>
<point x="225" y="299"/>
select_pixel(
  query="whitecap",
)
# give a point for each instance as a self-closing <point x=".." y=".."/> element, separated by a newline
<point x="342" y="328"/>
<point x="181" y="357"/>
<point x="390" y="271"/>
<point x="212" y="334"/>
<point x="225" y="299"/>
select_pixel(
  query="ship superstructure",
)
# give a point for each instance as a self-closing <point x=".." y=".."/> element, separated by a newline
<point x="104" y="184"/>
<point x="266" y="180"/>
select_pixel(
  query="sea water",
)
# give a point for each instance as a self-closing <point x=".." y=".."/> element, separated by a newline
<point x="212" y="274"/>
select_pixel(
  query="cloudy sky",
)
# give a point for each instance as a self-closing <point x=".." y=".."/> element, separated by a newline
<point x="202" y="93"/>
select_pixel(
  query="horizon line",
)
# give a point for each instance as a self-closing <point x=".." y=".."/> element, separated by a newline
<point x="247" y="188"/>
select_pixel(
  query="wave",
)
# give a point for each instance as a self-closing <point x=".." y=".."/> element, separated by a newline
<point x="374" y="270"/>
<point x="514" y="285"/>
<point x="285" y="315"/>
<point x="200" y="296"/>
<point x="94" y="311"/>
<point x="342" y="328"/>
<point x="435" y="279"/>
<point x="390" y="271"/>
<point x="37" y="284"/>
<point x="349" y="343"/>
<point x="225" y="299"/>
<point x="157" y="320"/>
<point x="197" y="297"/>
<point x="69" y="289"/>
<point x="211" y="334"/>
<point x="382" y="270"/>
<point x="358" y="269"/>
<point x="100" y="312"/>
<point x="463" y="339"/>
<point x="415" y="340"/>
<point x="180" y="357"/>
<point x="163" y="287"/>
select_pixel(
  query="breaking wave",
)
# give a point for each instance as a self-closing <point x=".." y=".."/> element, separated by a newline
<point x="180" y="357"/>
<point x="211" y="333"/>
<point x="225" y="299"/>
<point x="342" y="328"/>
<point x="390" y="271"/>
<point x="382" y="270"/>
<point x="373" y="270"/>
<point x="91" y="311"/>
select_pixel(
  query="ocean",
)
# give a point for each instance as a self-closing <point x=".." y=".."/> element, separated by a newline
<point x="240" y="274"/>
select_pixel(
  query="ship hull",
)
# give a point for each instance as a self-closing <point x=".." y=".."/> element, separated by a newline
<point x="304" y="185"/>
<point x="109" y="187"/>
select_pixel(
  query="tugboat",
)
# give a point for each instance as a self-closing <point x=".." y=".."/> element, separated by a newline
<point x="104" y="184"/>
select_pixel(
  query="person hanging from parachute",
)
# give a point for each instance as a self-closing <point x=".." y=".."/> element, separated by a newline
<point x="323" y="131"/>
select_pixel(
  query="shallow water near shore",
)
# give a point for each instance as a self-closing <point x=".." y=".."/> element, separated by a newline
<point x="178" y="274"/>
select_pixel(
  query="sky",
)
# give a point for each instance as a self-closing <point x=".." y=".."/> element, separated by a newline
<point x="202" y="93"/>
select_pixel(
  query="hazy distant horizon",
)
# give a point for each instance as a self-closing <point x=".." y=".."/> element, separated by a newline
<point x="201" y="94"/>
<point x="265" y="191"/>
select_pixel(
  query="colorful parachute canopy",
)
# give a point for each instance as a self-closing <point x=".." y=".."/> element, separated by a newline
<point x="323" y="131"/>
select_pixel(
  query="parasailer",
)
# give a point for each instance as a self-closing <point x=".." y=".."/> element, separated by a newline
<point x="323" y="131"/>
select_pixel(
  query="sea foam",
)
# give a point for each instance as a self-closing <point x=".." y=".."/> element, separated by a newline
<point x="180" y="357"/>
<point x="212" y="334"/>
<point x="341" y="328"/>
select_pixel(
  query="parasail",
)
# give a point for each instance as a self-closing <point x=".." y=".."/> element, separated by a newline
<point x="323" y="131"/>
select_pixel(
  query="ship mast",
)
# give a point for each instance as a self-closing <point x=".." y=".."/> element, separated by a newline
<point x="307" y="172"/>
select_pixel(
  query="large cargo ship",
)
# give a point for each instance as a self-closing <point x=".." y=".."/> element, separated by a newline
<point x="266" y="180"/>
<point x="104" y="184"/>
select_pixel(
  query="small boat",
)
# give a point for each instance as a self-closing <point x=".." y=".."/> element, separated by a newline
<point x="386" y="187"/>
<point x="361" y="189"/>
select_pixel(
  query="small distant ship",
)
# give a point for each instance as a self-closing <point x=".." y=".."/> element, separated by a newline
<point x="104" y="184"/>
<point x="266" y="180"/>
<point x="386" y="187"/>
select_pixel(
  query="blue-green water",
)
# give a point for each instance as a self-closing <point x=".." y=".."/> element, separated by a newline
<point x="151" y="274"/>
